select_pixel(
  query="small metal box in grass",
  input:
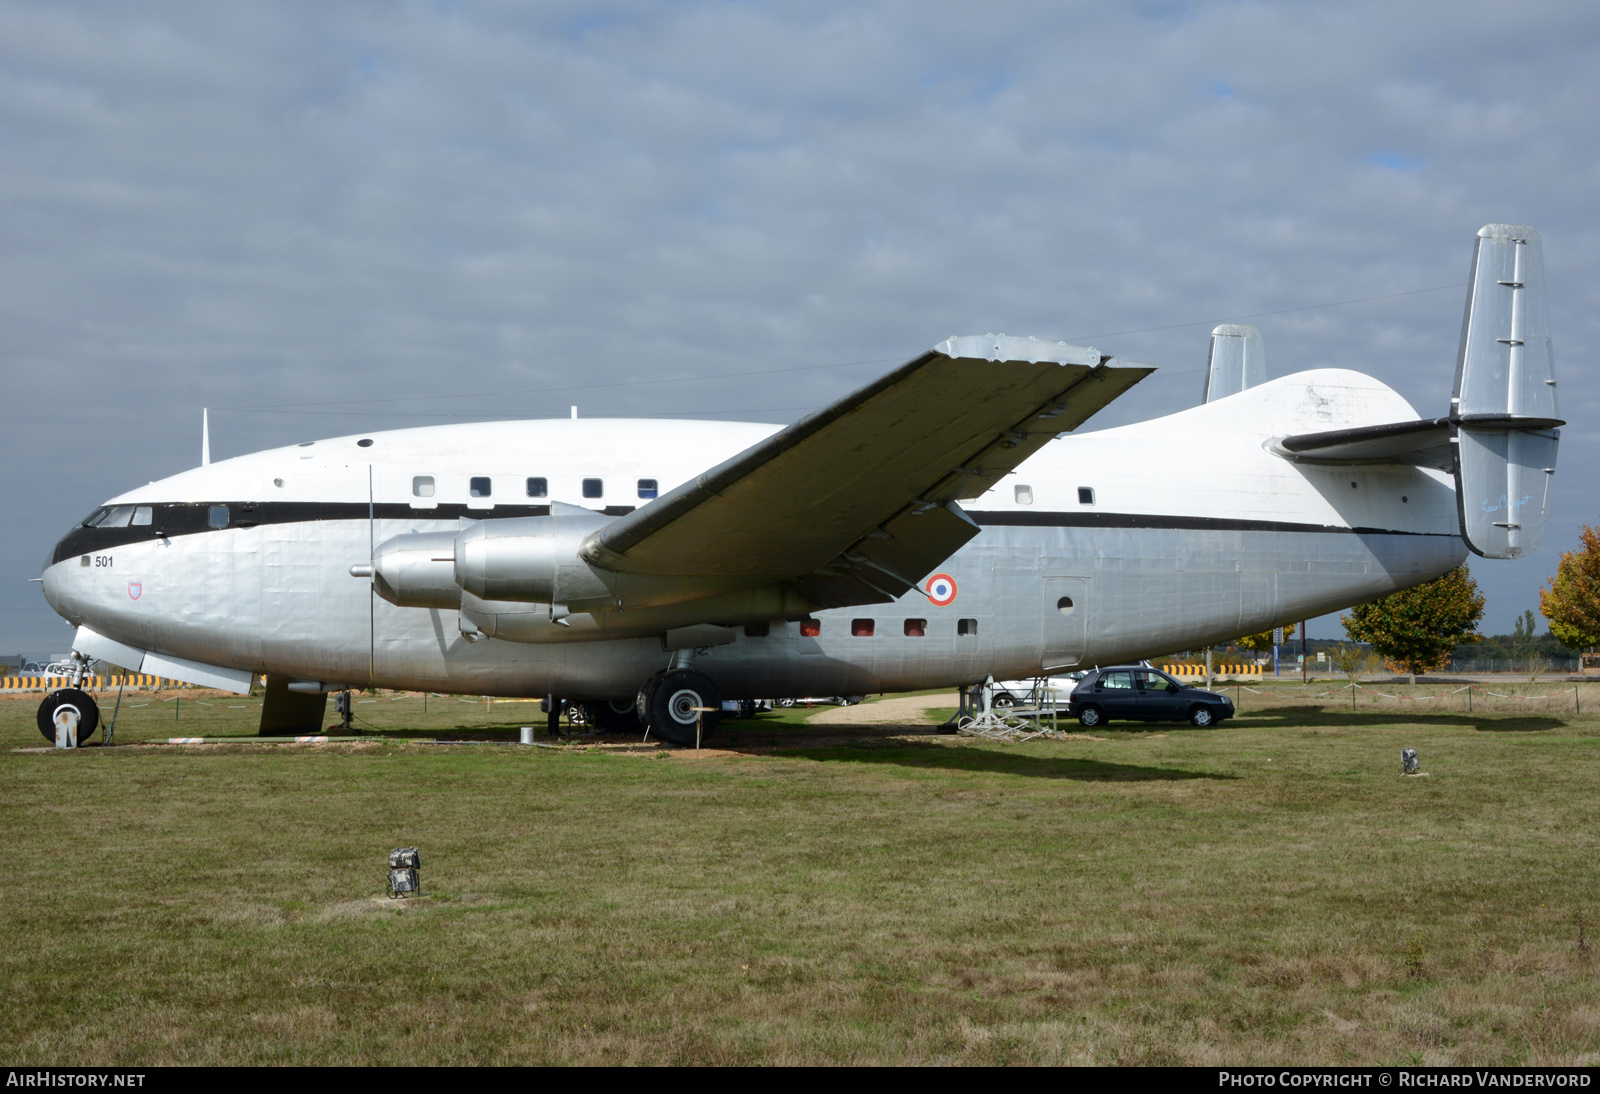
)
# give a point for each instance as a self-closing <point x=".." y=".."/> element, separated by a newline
<point x="404" y="862"/>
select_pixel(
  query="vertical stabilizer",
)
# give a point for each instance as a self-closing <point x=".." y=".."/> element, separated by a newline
<point x="1238" y="361"/>
<point x="1504" y="408"/>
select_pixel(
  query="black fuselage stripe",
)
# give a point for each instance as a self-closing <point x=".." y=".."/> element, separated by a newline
<point x="186" y="518"/>
<point x="1166" y="522"/>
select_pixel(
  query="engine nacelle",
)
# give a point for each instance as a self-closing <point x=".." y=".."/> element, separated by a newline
<point x="535" y="561"/>
<point x="417" y="570"/>
<point x="529" y="559"/>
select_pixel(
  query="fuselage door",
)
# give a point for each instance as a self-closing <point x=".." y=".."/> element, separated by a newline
<point x="1066" y="613"/>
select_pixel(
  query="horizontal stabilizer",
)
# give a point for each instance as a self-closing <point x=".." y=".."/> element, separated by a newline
<point x="856" y="503"/>
<point x="1238" y="361"/>
<point x="1423" y="443"/>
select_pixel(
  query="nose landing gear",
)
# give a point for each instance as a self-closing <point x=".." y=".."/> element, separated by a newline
<point x="69" y="717"/>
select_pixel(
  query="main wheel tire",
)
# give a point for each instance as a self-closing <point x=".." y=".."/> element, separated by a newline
<point x="1091" y="717"/>
<point x="641" y="701"/>
<point x="615" y="716"/>
<point x="61" y="703"/>
<point x="1203" y="717"/>
<point x="672" y="703"/>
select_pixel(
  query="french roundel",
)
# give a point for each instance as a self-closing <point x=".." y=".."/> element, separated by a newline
<point x="941" y="589"/>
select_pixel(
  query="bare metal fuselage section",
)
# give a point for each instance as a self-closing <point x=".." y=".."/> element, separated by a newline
<point x="1102" y="547"/>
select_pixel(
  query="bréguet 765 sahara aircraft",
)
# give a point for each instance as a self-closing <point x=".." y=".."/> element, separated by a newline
<point x="937" y="527"/>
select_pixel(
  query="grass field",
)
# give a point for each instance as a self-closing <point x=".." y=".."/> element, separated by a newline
<point x="1267" y="892"/>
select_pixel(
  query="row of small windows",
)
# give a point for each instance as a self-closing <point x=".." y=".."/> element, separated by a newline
<point x="864" y="628"/>
<point x="482" y="486"/>
<point x="1024" y="495"/>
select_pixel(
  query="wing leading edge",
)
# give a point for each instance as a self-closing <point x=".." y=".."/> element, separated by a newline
<point x="857" y="502"/>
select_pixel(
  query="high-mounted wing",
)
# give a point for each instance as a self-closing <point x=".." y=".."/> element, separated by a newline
<point x="856" y="503"/>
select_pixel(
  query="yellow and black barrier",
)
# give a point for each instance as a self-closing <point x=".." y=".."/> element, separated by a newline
<point x="1217" y="670"/>
<point x="93" y="683"/>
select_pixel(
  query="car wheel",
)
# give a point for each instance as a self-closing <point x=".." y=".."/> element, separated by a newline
<point x="1090" y="717"/>
<point x="1003" y="699"/>
<point x="1202" y="717"/>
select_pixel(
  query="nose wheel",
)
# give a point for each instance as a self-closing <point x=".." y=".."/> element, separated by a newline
<point x="70" y="713"/>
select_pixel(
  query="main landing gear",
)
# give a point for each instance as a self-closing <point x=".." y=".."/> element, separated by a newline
<point x="68" y="717"/>
<point x="679" y="706"/>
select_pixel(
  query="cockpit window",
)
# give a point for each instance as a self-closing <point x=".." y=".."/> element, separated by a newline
<point x="93" y="519"/>
<point x="116" y="517"/>
<point x="142" y="516"/>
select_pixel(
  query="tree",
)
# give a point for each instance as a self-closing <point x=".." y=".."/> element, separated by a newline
<point x="1572" y="603"/>
<point x="1526" y="628"/>
<point x="1255" y="643"/>
<point x="1418" y="628"/>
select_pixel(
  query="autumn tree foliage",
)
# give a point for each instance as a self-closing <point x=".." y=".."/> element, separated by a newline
<point x="1255" y="643"/>
<point x="1572" y="603"/>
<point x="1417" y="629"/>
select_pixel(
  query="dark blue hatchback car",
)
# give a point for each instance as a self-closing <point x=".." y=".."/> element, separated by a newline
<point x="1140" y="694"/>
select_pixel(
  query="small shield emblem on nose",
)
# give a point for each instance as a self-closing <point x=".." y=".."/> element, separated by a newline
<point x="134" y="589"/>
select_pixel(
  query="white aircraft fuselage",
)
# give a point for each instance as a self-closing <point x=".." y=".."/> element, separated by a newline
<point x="1165" y="535"/>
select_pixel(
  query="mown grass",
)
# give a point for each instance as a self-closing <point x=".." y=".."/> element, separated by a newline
<point x="1267" y="892"/>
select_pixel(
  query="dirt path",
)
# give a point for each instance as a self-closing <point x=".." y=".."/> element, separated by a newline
<point x="910" y="710"/>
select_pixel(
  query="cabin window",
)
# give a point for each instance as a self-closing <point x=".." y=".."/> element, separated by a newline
<point x="142" y="516"/>
<point x="364" y="442"/>
<point x="810" y="628"/>
<point x="218" y="516"/>
<point x="968" y="627"/>
<point x="1023" y="494"/>
<point x="422" y="486"/>
<point x="757" y="630"/>
<point x="916" y="628"/>
<point x="538" y="488"/>
<point x="1064" y="605"/>
<point x="647" y="488"/>
<point x="480" y="487"/>
<point x="1085" y="495"/>
<point x="594" y="488"/>
<point x="861" y="628"/>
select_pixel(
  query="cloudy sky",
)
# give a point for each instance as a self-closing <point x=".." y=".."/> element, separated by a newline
<point x="327" y="218"/>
